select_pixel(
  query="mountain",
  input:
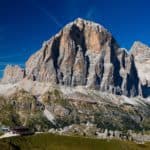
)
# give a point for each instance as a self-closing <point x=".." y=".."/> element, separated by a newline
<point x="80" y="82"/>
<point x="141" y="53"/>
<point x="84" y="53"/>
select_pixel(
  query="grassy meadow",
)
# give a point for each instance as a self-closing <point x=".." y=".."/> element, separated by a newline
<point x="56" y="142"/>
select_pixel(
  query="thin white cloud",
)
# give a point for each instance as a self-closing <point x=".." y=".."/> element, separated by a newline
<point x="47" y="13"/>
<point x="52" y="17"/>
<point x="90" y="13"/>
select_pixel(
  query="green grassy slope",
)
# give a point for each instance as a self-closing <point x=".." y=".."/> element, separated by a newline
<point x="56" y="142"/>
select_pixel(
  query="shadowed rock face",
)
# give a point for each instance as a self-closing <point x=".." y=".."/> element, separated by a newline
<point x="85" y="53"/>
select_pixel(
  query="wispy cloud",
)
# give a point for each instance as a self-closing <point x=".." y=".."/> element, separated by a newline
<point x="52" y="17"/>
<point x="90" y="13"/>
<point x="47" y="13"/>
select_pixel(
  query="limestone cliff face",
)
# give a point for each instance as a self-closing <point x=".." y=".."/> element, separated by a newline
<point x="141" y="53"/>
<point x="85" y="53"/>
<point x="13" y="74"/>
<point x="65" y="57"/>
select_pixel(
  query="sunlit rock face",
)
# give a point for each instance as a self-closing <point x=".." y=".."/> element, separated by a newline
<point x="85" y="53"/>
<point x="13" y="74"/>
<point x="141" y="53"/>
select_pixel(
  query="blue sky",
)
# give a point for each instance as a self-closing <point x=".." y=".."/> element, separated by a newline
<point x="25" y="24"/>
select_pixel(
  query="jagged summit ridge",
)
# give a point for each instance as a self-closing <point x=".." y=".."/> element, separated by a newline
<point x="82" y="22"/>
<point x="85" y="53"/>
<point x="140" y="51"/>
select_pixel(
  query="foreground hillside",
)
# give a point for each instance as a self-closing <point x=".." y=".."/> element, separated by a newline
<point x="74" y="111"/>
<point x="55" y="142"/>
<point x="59" y="108"/>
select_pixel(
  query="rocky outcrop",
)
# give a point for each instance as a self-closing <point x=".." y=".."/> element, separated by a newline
<point x="103" y="110"/>
<point x="85" y="53"/>
<point x="65" y="107"/>
<point x="13" y="74"/>
<point x="141" y="53"/>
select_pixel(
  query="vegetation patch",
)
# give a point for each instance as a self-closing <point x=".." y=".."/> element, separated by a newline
<point x="56" y="142"/>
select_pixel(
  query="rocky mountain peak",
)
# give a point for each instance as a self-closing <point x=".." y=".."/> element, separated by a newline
<point x="84" y="53"/>
<point x="82" y="23"/>
<point x="138" y="44"/>
<point x="140" y="51"/>
<point x="13" y="74"/>
<point x="71" y="54"/>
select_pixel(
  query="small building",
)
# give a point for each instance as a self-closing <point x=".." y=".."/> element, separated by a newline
<point x="22" y="130"/>
<point x="4" y="129"/>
